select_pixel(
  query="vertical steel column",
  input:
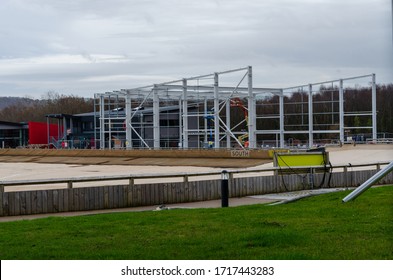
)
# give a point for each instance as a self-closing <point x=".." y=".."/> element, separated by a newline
<point x="374" y="107"/>
<point x="127" y="125"/>
<point x="206" y="120"/>
<point x="109" y="123"/>
<point x="95" y="121"/>
<point x="282" y="129"/>
<point x="185" y="115"/>
<point x="310" y="118"/>
<point x="251" y="111"/>
<point x="48" y="129"/>
<point x="180" y="123"/>
<point x="216" y="113"/>
<point x="156" y="119"/>
<point x="341" y="111"/>
<point x="20" y="138"/>
<point x="110" y="133"/>
<point x="58" y="129"/>
<point x="71" y="125"/>
<point x="228" y="122"/>
<point x="64" y="128"/>
<point x="102" y="122"/>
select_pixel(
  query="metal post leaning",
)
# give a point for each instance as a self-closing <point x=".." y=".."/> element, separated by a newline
<point x="366" y="185"/>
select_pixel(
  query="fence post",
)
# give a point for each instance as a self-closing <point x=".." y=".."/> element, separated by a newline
<point x="230" y="185"/>
<point x="185" y="181"/>
<point x="224" y="188"/>
<point x="130" y="190"/>
<point x="69" y="184"/>
<point x="311" y="178"/>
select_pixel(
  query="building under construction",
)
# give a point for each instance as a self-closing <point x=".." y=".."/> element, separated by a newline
<point x="225" y="110"/>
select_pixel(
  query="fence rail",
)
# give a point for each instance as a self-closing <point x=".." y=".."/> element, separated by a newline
<point x="185" y="175"/>
<point x="130" y="195"/>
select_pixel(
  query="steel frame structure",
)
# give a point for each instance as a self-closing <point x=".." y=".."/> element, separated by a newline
<point x="212" y="94"/>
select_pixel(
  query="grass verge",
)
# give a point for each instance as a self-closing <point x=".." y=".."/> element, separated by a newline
<point x="319" y="227"/>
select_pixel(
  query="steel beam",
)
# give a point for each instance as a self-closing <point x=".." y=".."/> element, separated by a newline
<point x="282" y="124"/>
<point x="251" y="111"/>
<point x="127" y="124"/>
<point x="369" y="183"/>
<point x="228" y="123"/>
<point x="102" y="122"/>
<point x="310" y="118"/>
<point x="185" y="115"/>
<point x="341" y="111"/>
<point x="374" y="107"/>
<point x="216" y="113"/>
<point x="156" y="119"/>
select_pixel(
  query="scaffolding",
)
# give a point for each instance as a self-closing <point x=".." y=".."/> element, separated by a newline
<point x="225" y="110"/>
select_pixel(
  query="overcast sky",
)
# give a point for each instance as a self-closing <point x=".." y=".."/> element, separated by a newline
<point x="81" y="47"/>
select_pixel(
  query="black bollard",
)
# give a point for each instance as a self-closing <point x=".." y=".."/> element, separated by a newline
<point x="224" y="188"/>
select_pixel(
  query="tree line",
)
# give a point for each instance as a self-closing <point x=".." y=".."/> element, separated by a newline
<point x="325" y="109"/>
<point x="51" y="103"/>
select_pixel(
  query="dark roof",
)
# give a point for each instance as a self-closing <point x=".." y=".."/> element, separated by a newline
<point x="12" y="125"/>
<point x="58" y="116"/>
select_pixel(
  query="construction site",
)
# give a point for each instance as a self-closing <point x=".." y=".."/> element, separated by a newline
<point x="170" y="142"/>
<point x="224" y="110"/>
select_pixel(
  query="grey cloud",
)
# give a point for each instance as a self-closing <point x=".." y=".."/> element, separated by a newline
<point x="121" y="41"/>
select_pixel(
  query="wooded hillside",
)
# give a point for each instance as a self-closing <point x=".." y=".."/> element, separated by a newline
<point x="24" y="110"/>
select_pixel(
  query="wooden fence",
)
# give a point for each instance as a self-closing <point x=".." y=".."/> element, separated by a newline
<point x="132" y="195"/>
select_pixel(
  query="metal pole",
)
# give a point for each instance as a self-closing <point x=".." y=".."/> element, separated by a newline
<point x="180" y="123"/>
<point x="341" y="111"/>
<point x="102" y="122"/>
<point x="48" y="129"/>
<point x="185" y="115"/>
<point x="64" y="129"/>
<point x="366" y="185"/>
<point x="310" y="118"/>
<point x="224" y="188"/>
<point x="281" y="105"/>
<point x="216" y="114"/>
<point x="251" y="111"/>
<point x="374" y="107"/>
<point x="228" y="123"/>
<point x="156" y="119"/>
<point x="206" y="120"/>
<point x="128" y="122"/>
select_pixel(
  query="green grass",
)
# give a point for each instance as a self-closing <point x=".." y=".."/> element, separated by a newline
<point x="319" y="227"/>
